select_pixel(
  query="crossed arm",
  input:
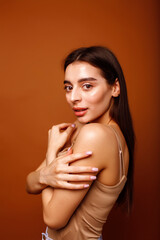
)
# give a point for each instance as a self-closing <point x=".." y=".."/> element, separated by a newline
<point x="60" y="204"/>
<point x="55" y="178"/>
<point x="54" y="171"/>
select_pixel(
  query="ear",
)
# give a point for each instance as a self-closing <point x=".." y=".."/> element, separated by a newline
<point x="116" y="88"/>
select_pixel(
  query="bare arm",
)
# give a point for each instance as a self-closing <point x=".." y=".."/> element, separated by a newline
<point x="54" y="171"/>
<point x="62" y="203"/>
<point x="33" y="181"/>
<point x="57" y="137"/>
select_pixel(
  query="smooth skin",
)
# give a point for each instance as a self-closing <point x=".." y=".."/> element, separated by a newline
<point x="55" y="171"/>
<point x="87" y="89"/>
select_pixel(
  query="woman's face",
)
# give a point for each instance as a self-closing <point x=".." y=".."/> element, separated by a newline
<point x="87" y="92"/>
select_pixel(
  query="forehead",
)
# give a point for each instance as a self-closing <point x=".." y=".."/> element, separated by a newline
<point x="78" y="70"/>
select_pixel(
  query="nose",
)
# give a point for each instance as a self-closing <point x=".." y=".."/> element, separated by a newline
<point x="75" y="95"/>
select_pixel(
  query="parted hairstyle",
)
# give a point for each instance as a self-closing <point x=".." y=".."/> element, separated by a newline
<point x="106" y="61"/>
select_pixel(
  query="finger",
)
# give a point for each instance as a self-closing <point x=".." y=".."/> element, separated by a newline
<point x="79" y="169"/>
<point x="75" y="177"/>
<point x="64" y="125"/>
<point x="76" y="156"/>
<point x="73" y="186"/>
<point x="70" y="130"/>
<point x="59" y="127"/>
<point x="49" y="133"/>
<point x="70" y="151"/>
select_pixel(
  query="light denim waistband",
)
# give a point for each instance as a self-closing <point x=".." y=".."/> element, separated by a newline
<point x="100" y="238"/>
<point x="45" y="236"/>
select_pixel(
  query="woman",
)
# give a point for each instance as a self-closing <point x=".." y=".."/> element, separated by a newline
<point x="96" y="91"/>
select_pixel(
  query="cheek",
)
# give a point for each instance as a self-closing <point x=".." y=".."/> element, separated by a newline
<point x="97" y="97"/>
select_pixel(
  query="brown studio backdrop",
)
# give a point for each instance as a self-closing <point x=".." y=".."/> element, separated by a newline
<point x="35" y="37"/>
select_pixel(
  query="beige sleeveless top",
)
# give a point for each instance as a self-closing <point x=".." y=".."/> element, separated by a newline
<point x="87" y="221"/>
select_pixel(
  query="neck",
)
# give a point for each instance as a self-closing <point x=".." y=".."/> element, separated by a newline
<point x="103" y="119"/>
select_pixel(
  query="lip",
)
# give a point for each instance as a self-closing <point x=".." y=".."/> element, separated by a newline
<point x="79" y="111"/>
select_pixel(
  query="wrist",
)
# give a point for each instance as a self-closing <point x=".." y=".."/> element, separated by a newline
<point x="42" y="177"/>
<point x="50" y="157"/>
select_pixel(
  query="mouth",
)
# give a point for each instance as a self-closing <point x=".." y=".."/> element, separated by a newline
<point x="80" y="112"/>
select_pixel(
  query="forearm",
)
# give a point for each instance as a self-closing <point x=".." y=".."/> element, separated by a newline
<point x="34" y="184"/>
<point x="47" y="195"/>
<point x="50" y="209"/>
<point x="56" y="213"/>
<point x="46" y="174"/>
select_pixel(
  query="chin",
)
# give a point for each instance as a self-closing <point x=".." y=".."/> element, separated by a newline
<point x="82" y="121"/>
<point x="86" y="120"/>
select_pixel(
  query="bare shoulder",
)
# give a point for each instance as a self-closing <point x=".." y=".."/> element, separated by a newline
<point x="102" y="141"/>
<point x="99" y="139"/>
<point x="97" y="133"/>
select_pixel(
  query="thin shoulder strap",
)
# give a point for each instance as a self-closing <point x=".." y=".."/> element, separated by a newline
<point x="122" y="169"/>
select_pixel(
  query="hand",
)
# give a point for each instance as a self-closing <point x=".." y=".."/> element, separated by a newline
<point x="58" y="173"/>
<point x="58" y="135"/>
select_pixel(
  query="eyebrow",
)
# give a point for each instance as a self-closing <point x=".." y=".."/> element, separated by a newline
<point x="82" y="80"/>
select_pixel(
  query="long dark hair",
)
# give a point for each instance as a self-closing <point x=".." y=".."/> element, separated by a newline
<point x="105" y="60"/>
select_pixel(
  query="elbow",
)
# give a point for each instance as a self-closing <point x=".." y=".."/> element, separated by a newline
<point x="54" y="222"/>
<point x="28" y="188"/>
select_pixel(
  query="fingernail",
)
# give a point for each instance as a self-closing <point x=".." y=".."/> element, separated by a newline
<point x="73" y="125"/>
<point x="89" y="152"/>
<point x="93" y="177"/>
<point x="69" y="149"/>
<point x="86" y="185"/>
<point x="95" y="169"/>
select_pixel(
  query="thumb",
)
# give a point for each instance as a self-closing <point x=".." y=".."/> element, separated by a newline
<point x="70" y="130"/>
<point x="70" y="151"/>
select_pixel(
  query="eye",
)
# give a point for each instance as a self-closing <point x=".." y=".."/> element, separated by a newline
<point x="87" y="86"/>
<point x="68" y="88"/>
